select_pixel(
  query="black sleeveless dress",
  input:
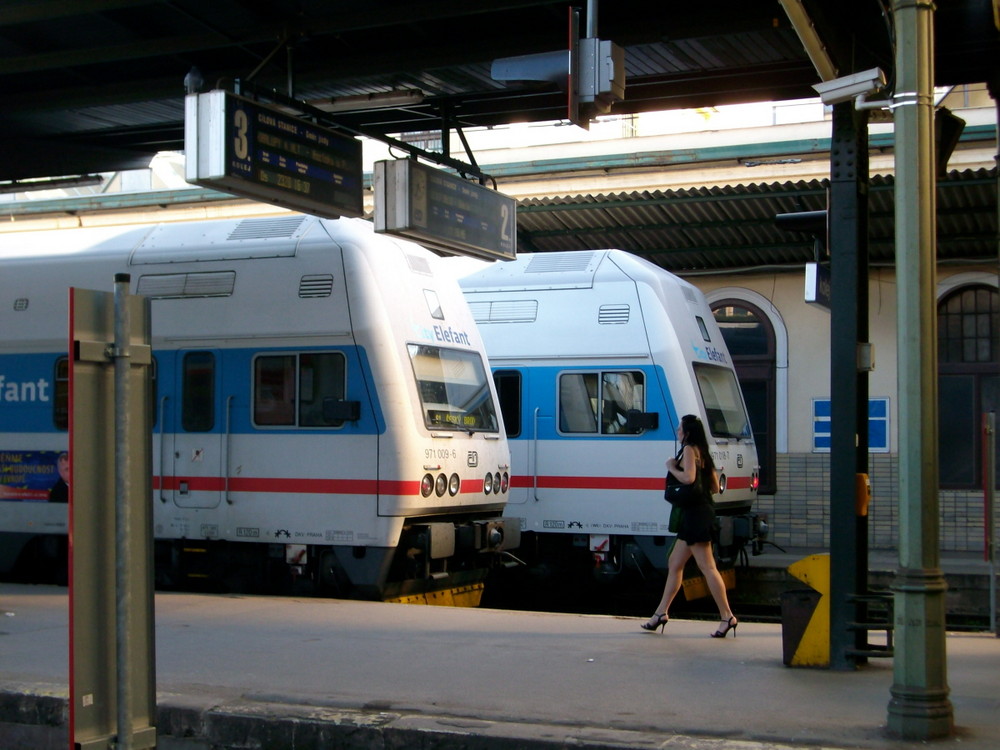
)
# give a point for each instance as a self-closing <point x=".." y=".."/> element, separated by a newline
<point x="698" y="521"/>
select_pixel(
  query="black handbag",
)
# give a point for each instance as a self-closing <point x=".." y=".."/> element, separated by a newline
<point x="683" y="495"/>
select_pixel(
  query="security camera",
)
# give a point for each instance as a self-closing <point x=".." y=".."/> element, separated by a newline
<point x="858" y="84"/>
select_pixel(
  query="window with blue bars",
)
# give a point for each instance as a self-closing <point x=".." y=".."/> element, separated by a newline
<point x="878" y="425"/>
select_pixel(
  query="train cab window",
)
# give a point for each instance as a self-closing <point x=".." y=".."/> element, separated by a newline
<point x="508" y="384"/>
<point x="60" y="400"/>
<point x="290" y="389"/>
<point x="588" y="400"/>
<point x="453" y="389"/>
<point x="198" y="392"/>
<point x="727" y="418"/>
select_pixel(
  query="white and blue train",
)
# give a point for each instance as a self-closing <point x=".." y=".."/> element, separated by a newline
<point x="596" y="356"/>
<point x="323" y="406"/>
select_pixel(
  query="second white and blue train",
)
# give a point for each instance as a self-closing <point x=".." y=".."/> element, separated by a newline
<point x="596" y="357"/>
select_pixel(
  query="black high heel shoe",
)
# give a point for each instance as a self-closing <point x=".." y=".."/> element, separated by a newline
<point x="661" y="621"/>
<point x="722" y="632"/>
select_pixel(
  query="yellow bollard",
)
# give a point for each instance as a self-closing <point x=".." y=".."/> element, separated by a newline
<point x="810" y="647"/>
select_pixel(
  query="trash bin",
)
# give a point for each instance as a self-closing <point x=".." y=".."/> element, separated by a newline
<point x="797" y="609"/>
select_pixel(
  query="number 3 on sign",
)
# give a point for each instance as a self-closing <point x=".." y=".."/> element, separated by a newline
<point x="240" y="124"/>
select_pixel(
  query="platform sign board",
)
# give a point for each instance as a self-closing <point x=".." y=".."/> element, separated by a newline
<point x="97" y="679"/>
<point x="442" y="211"/>
<point x="257" y="151"/>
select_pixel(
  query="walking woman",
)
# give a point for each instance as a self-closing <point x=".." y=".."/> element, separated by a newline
<point x="694" y="537"/>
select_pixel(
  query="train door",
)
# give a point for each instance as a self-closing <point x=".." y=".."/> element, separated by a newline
<point x="196" y="434"/>
<point x="510" y="392"/>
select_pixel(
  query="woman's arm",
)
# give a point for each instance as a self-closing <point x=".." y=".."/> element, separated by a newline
<point x="687" y="473"/>
<point x="713" y="482"/>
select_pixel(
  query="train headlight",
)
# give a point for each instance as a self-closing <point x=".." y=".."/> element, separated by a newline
<point x="722" y="483"/>
<point x="496" y="483"/>
<point x="427" y="485"/>
<point x="505" y="482"/>
<point x="441" y="485"/>
<point x="454" y="484"/>
<point x="488" y="484"/>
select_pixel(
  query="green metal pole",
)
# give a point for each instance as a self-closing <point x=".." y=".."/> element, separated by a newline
<point x="919" y="708"/>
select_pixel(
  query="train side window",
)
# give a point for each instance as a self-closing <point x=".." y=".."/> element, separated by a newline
<point x="321" y="379"/>
<point x="274" y="390"/>
<point x="287" y="386"/>
<point x="621" y="392"/>
<point x="198" y="392"/>
<point x="589" y="399"/>
<point x="60" y="401"/>
<point x="508" y="384"/>
<point x="578" y="402"/>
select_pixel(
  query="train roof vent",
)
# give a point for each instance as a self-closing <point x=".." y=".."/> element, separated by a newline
<point x="178" y="285"/>
<point x="613" y="314"/>
<point x="559" y="262"/>
<point x="254" y="229"/>
<point x="316" y="285"/>
<point x="518" y="311"/>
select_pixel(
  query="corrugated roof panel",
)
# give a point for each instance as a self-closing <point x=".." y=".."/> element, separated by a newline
<point x="733" y="226"/>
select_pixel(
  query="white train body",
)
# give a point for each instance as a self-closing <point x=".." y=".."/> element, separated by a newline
<point x="577" y="340"/>
<point x="322" y="400"/>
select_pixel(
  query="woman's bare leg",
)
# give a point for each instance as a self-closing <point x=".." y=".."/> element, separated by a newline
<point x="679" y="555"/>
<point x="706" y="564"/>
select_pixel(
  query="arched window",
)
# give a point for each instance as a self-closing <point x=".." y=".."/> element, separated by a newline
<point x="968" y="380"/>
<point x="750" y="339"/>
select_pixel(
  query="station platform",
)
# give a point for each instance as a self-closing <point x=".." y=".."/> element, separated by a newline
<point x="260" y="672"/>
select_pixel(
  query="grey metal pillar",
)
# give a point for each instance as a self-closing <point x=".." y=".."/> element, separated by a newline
<point x="848" y="229"/>
<point x="919" y="708"/>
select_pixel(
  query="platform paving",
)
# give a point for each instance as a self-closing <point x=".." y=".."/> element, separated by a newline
<point x="262" y="672"/>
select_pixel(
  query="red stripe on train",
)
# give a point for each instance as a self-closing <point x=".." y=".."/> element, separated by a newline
<point x="610" y="483"/>
<point x="291" y="485"/>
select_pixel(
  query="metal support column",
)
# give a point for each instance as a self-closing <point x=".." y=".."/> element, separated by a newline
<point x="848" y="229"/>
<point x="919" y="708"/>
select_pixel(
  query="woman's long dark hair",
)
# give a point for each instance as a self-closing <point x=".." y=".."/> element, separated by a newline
<point x="694" y="435"/>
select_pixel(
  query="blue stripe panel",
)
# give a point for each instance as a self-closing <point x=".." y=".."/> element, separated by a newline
<point x="27" y="391"/>
<point x="540" y="388"/>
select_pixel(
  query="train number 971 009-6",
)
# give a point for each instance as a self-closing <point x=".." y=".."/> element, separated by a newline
<point x="440" y="453"/>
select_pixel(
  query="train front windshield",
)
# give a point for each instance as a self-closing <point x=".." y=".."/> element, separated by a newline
<point x="723" y="403"/>
<point x="454" y="391"/>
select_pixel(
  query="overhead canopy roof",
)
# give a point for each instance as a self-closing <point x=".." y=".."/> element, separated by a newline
<point x="98" y="85"/>
<point x="731" y="228"/>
